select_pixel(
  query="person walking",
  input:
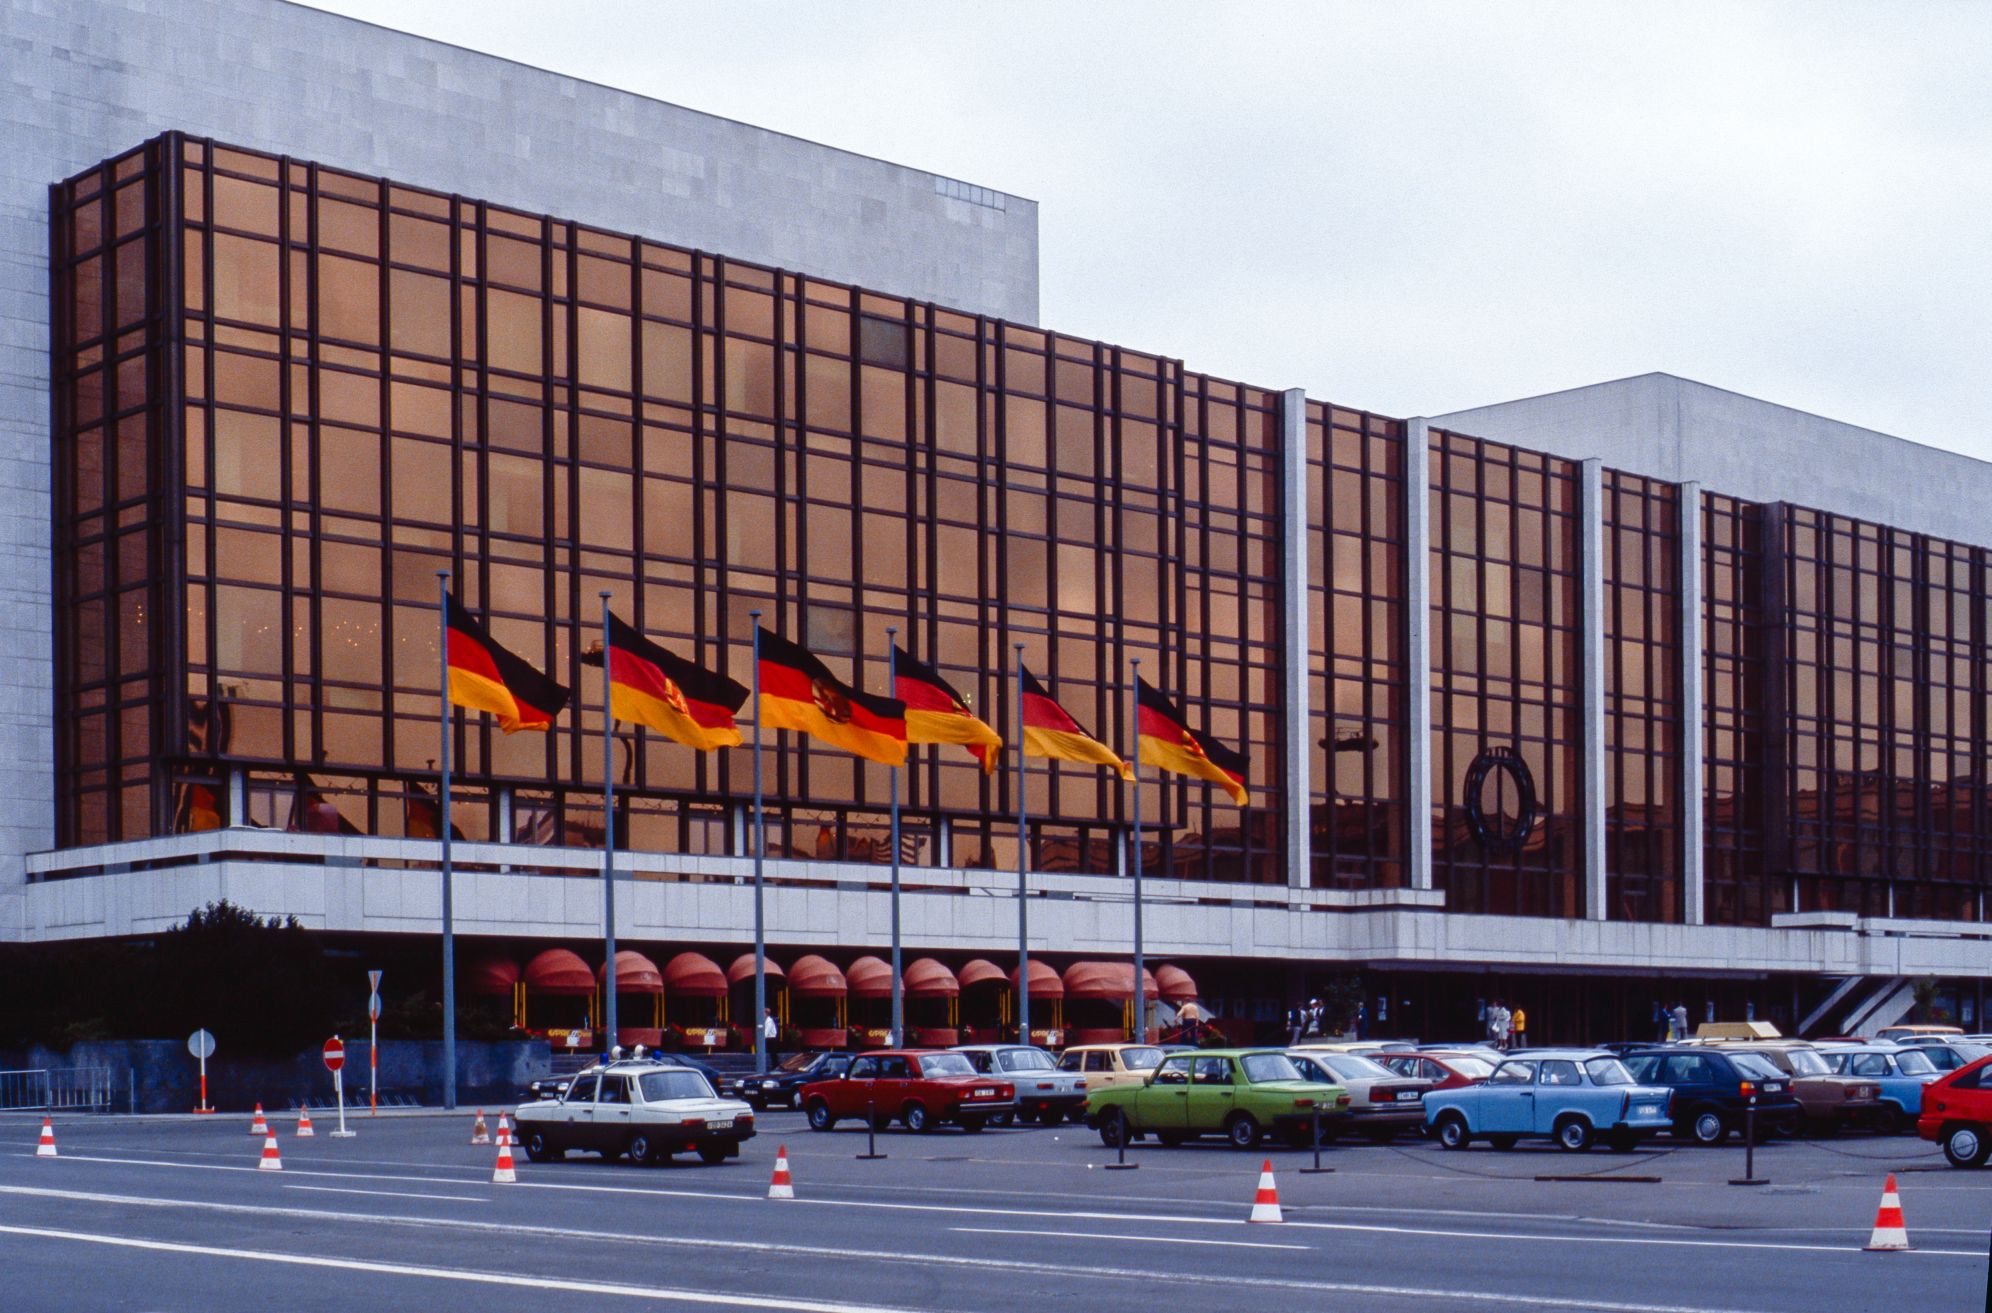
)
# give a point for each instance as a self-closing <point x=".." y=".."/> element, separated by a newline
<point x="1313" y="1017"/>
<point x="1498" y="1021"/>
<point x="771" y="1030"/>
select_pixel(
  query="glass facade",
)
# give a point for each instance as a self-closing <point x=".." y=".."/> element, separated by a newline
<point x="1641" y="543"/>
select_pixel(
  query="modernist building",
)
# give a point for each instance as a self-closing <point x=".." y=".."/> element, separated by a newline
<point x="1584" y="687"/>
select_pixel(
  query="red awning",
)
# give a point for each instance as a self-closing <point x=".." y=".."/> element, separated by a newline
<point x="926" y="978"/>
<point x="980" y="972"/>
<point x="1175" y="984"/>
<point x="1113" y="981"/>
<point x="869" y="977"/>
<point x="812" y="977"/>
<point x="635" y="973"/>
<point x="557" y="971"/>
<point x="694" y="975"/>
<point x="743" y="969"/>
<point x="1044" y="981"/>
<point x="492" y="976"/>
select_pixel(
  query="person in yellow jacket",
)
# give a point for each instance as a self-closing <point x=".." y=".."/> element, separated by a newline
<point x="1518" y="1028"/>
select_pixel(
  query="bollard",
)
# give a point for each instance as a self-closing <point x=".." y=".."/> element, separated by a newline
<point x="1750" y="1176"/>
<point x="871" y="1152"/>
<point x="1120" y="1163"/>
<point x="1317" y="1169"/>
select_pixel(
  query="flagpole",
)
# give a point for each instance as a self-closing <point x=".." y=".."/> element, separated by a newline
<point x="443" y="816"/>
<point x="1023" y="868"/>
<point x="1140" y="994"/>
<point x="898" y="1003"/>
<point x="760" y="851"/>
<point x="608" y="827"/>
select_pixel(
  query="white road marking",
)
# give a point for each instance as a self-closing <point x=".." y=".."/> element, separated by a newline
<point x="1103" y="1235"/>
<point x="392" y="1194"/>
<point x="567" y="1285"/>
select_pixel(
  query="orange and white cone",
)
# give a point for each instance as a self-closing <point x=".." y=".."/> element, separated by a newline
<point x="504" y="1130"/>
<point x="304" y="1131"/>
<point x="480" y="1133"/>
<point x="781" y="1186"/>
<point x="259" y="1126"/>
<point x="271" y="1162"/>
<point x="1889" y="1233"/>
<point x="504" y="1174"/>
<point x="1266" y="1204"/>
<point x="46" y="1149"/>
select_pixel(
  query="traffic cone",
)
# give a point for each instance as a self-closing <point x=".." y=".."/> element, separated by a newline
<point x="480" y="1133"/>
<point x="271" y="1161"/>
<point x="504" y="1130"/>
<point x="304" y="1131"/>
<point x="1889" y="1233"/>
<point x="1266" y="1204"/>
<point x="259" y="1126"/>
<point x="503" y="1173"/>
<point x="781" y="1187"/>
<point x="46" y="1149"/>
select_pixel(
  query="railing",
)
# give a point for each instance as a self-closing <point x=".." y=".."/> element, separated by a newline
<point x="42" y="1089"/>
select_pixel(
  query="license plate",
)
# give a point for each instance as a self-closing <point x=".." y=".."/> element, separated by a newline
<point x="1773" y="1087"/>
<point x="1406" y="1096"/>
<point x="985" y="1094"/>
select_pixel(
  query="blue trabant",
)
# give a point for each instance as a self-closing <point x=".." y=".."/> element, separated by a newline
<point x="1901" y="1073"/>
<point x="1573" y="1096"/>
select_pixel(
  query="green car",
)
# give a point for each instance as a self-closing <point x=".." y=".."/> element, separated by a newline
<point x="1241" y="1094"/>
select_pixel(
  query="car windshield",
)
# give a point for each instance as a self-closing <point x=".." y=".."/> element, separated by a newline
<point x="1351" y="1066"/>
<point x="1471" y="1068"/>
<point x="1608" y="1071"/>
<point x="1025" y="1060"/>
<point x="678" y="1083"/>
<point x="1805" y="1062"/>
<point x="1141" y="1058"/>
<point x="1269" y="1066"/>
<point x="1756" y="1066"/>
<point x="1970" y="1052"/>
<point x="798" y="1062"/>
<point x="1913" y="1063"/>
<point x="945" y="1064"/>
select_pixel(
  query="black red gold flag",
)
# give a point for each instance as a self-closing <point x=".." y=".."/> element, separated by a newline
<point x="1168" y="743"/>
<point x="935" y="713"/>
<point x="651" y="685"/>
<point x="485" y="677"/>
<point x="798" y="692"/>
<point x="1050" y="731"/>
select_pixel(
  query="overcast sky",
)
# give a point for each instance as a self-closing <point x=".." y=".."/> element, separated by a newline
<point x="1412" y="208"/>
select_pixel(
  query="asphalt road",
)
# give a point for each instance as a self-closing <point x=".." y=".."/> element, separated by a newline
<point x="172" y="1214"/>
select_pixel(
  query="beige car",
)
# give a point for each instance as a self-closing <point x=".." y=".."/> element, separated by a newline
<point x="1108" y="1065"/>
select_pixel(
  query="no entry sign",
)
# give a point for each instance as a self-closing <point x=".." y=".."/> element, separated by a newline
<point x="335" y="1053"/>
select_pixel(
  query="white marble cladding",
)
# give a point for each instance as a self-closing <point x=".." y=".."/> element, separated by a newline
<point x="392" y="886"/>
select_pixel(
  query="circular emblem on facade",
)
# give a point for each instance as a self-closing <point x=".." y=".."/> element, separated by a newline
<point x="1497" y="833"/>
<point x="836" y="708"/>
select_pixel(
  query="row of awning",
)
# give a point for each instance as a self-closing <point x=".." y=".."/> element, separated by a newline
<point x="560" y="971"/>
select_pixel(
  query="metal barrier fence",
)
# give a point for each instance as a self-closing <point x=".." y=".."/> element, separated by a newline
<point x="40" y="1089"/>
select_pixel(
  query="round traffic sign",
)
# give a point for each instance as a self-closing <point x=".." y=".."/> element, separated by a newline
<point x="335" y="1053"/>
<point x="201" y="1045"/>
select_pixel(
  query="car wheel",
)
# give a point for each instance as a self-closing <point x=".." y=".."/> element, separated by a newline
<point x="1113" y="1128"/>
<point x="1241" y="1130"/>
<point x="1503" y="1141"/>
<point x="1707" y="1127"/>
<point x="973" y="1124"/>
<point x="1573" y="1134"/>
<point x="1967" y="1146"/>
<point x="917" y="1118"/>
<point x="712" y="1155"/>
<point x="539" y="1151"/>
<point x="819" y="1116"/>
<point x="1888" y="1120"/>
<point x="1452" y="1133"/>
<point x="641" y="1150"/>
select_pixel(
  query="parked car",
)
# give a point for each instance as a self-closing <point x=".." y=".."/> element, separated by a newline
<point x="1446" y="1070"/>
<point x="922" y="1088"/>
<point x="1573" y="1096"/>
<point x="642" y="1107"/>
<point x="1242" y="1094"/>
<point x="1044" y="1094"/>
<point x="1382" y="1104"/>
<point x="1900" y="1073"/>
<point x="1713" y="1088"/>
<point x="1828" y="1102"/>
<point x="1899" y="1034"/>
<point x="784" y="1084"/>
<point x="1957" y="1113"/>
<point x="1108" y="1065"/>
<point x="1948" y="1055"/>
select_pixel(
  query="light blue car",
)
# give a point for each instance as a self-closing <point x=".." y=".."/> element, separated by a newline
<point x="1900" y="1072"/>
<point x="1573" y="1096"/>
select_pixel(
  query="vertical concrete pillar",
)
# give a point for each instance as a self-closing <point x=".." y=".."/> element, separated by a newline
<point x="1298" y="633"/>
<point x="944" y="842"/>
<point x="1693" y="742"/>
<point x="238" y="798"/>
<point x="1418" y="648"/>
<point x="1591" y="592"/>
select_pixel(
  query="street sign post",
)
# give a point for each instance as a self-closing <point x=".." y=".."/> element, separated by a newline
<point x="201" y="1045"/>
<point x="335" y="1058"/>
<point x="373" y="1043"/>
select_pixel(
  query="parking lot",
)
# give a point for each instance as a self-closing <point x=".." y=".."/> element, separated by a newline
<point x="173" y="1213"/>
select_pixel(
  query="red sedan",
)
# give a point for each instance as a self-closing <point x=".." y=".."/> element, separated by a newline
<point x="1446" y="1071"/>
<point x="1957" y="1113"/>
<point x="923" y="1088"/>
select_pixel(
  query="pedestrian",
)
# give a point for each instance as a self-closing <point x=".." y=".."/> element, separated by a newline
<point x="1518" y="1028"/>
<point x="1314" y="1016"/>
<point x="1680" y="1018"/>
<point x="1296" y="1019"/>
<point x="771" y="1030"/>
<point x="1362" y="1019"/>
<point x="1498" y="1021"/>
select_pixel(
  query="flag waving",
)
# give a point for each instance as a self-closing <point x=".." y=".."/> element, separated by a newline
<point x="1168" y="743"/>
<point x="654" y="686"/>
<point x="1050" y="731"/>
<point x="798" y="692"/>
<point x="485" y="677"/>
<point x="935" y="713"/>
